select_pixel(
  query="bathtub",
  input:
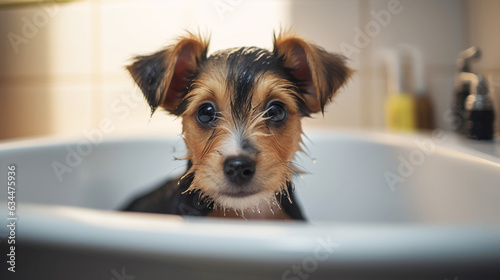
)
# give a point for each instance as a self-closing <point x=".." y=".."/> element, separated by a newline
<point x="379" y="206"/>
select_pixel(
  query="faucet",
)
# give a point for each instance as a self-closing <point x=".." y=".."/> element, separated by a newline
<point x="467" y="56"/>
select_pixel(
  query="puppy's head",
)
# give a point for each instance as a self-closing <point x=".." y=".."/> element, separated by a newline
<point x="241" y="110"/>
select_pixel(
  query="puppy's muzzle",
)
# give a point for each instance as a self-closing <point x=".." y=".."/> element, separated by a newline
<point x="239" y="170"/>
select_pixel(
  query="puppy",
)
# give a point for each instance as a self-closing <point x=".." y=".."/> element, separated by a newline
<point x="241" y="111"/>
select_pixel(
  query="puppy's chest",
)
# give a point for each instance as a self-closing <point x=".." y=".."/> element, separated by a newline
<point x="265" y="214"/>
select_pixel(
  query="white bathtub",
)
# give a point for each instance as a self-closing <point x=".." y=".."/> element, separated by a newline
<point x="379" y="206"/>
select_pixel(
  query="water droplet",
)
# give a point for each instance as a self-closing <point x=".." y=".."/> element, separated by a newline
<point x="301" y="177"/>
<point x="153" y="109"/>
<point x="314" y="160"/>
<point x="258" y="210"/>
<point x="224" y="209"/>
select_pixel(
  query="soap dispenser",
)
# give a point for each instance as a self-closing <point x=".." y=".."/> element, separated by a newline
<point x="480" y="111"/>
<point x="400" y="105"/>
<point x="462" y="87"/>
<point x="424" y="113"/>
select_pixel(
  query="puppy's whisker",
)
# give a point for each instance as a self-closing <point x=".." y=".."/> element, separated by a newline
<point x="210" y="143"/>
<point x="278" y="147"/>
<point x="199" y="164"/>
<point x="292" y="169"/>
<point x="297" y="169"/>
<point x="262" y="134"/>
<point x="259" y="119"/>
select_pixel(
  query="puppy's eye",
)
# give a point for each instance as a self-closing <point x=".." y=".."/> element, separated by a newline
<point x="206" y="114"/>
<point x="275" y="112"/>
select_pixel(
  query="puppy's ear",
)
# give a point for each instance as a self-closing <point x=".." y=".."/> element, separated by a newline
<point x="164" y="76"/>
<point x="319" y="74"/>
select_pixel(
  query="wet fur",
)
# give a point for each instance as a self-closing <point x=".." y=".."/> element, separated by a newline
<point x="241" y="82"/>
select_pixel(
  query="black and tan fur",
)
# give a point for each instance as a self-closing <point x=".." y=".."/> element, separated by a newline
<point x="244" y="86"/>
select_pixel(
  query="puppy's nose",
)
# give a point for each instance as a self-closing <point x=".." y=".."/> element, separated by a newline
<point x="239" y="170"/>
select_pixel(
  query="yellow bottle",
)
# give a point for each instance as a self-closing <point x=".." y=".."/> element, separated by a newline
<point x="400" y="112"/>
<point x="400" y="107"/>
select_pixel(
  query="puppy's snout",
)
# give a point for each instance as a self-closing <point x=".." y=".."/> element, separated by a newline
<point x="239" y="170"/>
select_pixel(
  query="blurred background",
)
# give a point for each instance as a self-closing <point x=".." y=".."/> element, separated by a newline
<point x="62" y="62"/>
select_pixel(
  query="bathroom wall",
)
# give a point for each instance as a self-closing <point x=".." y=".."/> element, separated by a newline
<point x="47" y="65"/>
<point x="63" y="64"/>
<point x="433" y="27"/>
<point x="62" y="67"/>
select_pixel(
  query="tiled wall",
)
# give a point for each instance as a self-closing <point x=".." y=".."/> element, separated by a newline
<point x="68" y="76"/>
<point x="45" y="69"/>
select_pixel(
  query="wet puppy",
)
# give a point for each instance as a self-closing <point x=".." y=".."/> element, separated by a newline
<point x="241" y="111"/>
